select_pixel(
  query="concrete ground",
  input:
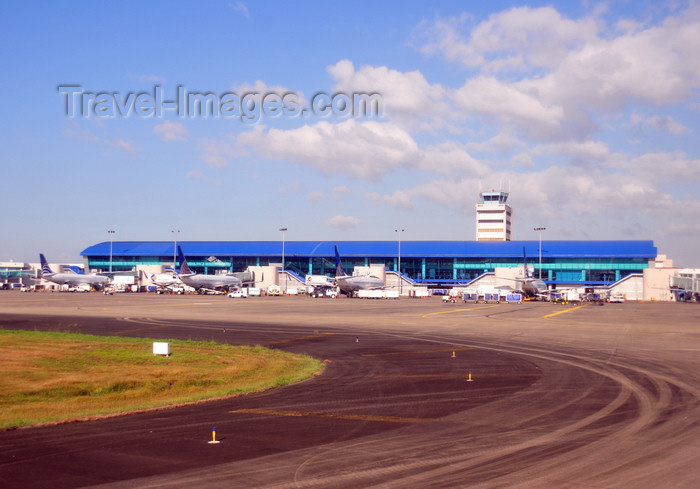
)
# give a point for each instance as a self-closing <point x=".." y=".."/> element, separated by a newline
<point x="559" y="397"/>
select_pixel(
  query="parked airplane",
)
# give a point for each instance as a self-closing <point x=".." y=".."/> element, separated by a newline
<point x="204" y="281"/>
<point x="530" y="286"/>
<point x="72" y="278"/>
<point x="350" y="284"/>
<point x="167" y="282"/>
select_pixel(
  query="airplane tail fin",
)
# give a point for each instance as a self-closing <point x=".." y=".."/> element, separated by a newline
<point x="525" y="270"/>
<point x="45" y="269"/>
<point x="338" y="265"/>
<point x="184" y="269"/>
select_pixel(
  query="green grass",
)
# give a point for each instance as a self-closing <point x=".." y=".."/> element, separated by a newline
<point x="56" y="377"/>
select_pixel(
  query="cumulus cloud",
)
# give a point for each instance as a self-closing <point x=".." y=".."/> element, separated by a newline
<point x="408" y="98"/>
<point x="342" y="222"/>
<point x="667" y="124"/>
<point x="545" y="103"/>
<point x="366" y="150"/>
<point x="260" y="88"/>
<point x="569" y="70"/>
<point x="219" y="152"/>
<point x="509" y="106"/>
<point x="123" y="144"/>
<point x="517" y="39"/>
<point x="314" y="196"/>
<point x="336" y="194"/>
<point x="75" y="131"/>
<point x="400" y="199"/>
<point x="451" y="158"/>
<point x="618" y="185"/>
<point x="171" y="131"/>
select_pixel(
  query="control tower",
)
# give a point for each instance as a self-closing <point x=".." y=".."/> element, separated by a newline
<point x="493" y="217"/>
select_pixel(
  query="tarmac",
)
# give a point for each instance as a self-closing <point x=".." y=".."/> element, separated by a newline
<point x="416" y="394"/>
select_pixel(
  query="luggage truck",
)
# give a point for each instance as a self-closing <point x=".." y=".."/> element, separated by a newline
<point x="514" y="297"/>
<point x="470" y="297"/>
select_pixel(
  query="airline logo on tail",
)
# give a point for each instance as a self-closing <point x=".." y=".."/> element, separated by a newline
<point x="338" y="266"/>
<point x="45" y="269"/>
<point x="184" y="269"/>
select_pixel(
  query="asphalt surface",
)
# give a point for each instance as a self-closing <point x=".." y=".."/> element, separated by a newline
<point x="559" y="397"/>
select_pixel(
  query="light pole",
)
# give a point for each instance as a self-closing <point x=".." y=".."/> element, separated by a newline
<point x="284" y="230"/>
<point x="399" y="270"/>
<point x="111" y="238"/>
<point x="540" y="231"/>
<point x="175" y="233"/>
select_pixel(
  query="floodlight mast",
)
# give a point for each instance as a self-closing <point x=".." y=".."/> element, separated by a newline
<point x="540" y="231"/>
<point x="284" y="275"/>
<point x="399" y="254"/>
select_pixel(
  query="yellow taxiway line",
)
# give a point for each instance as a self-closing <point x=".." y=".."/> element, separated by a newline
<point x="311" y="414"/>
<point x="299" y="338"/>
<point x="562" y="312"/>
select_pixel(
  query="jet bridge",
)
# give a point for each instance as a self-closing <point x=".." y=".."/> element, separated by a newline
<point x="686" y="286"/>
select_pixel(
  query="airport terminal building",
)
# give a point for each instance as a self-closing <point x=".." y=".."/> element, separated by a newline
<point x="431" y="263"/>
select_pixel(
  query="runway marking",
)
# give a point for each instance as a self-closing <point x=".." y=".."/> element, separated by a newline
<point x="299" y="338"/>
<point x="457" y="310"/>
<point x="562" y="312"/>
<point x="311" y="414"/>
<point x="388" y="354"/>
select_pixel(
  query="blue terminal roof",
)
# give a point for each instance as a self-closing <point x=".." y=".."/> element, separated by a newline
<point x="466" y="249"/>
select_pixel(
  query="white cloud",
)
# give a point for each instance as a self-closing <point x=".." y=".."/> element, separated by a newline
<point x="517" y="39"/>
<point x="660" y="168"/>
<point x="617" y="184"/>
<point x="314" y="196"/>
<point x="571" y="71"/>
<point x="198" y="175"/>
<point x="408" y="98"/>
<point x="342" y="222"/>
<point x="76" y="132"/>
<point x="171" y="131"/>
<point x="260" y="88"/>
<point x="451" y="158"/>
<point x="667" y="124"/>
<point x="584" y="153"/>
<point x="366" y="150"/>
<point x="123" y="144"/>
<point x="400" y="199"/>
<point x="336" y="194"/>
<point x="217" y="153"/>
<point x="508" y="106"/>
<point x="539" y="90"/>
<point x="240" y="7"/>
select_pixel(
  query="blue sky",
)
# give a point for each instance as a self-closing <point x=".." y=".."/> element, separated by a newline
<point x="586" y="112"/>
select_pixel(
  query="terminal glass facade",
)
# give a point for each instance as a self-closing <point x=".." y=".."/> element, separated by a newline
<point x="437" y="263"/>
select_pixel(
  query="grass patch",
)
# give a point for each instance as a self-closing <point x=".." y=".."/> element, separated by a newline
<point x="55" y="377"/>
